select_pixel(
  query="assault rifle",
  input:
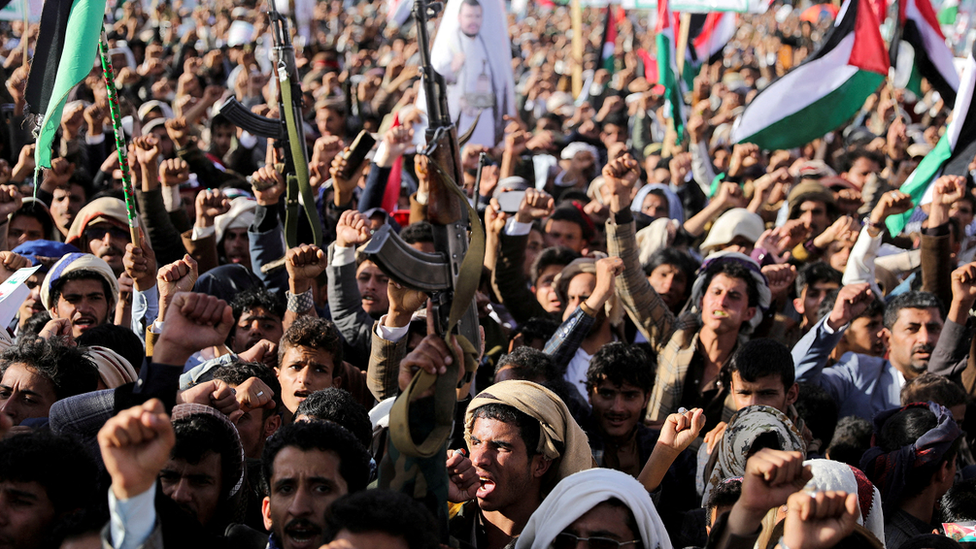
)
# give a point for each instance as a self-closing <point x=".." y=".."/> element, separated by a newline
<point x="287" y="131"/>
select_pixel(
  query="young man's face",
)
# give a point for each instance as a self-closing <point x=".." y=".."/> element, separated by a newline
<point x="304" y="370"/>
<point x="508" y="476"/>
<point x="373" y="282"/>
<point x="860" y="171"/>
<point x="236" y="247"/>
<point x="65" y="205"/>
<point x="725" y="305"/>
<point x="26" y="515"/>
<point x="195" y="487"/>
<point x="545" y="290"/>
<point x="962" y="210"/>
<point x="912" y="339"/>
<point x="107" y="242"/>
<point x="32" y="304"/>
<point x="670" y="283"/>
<point x="221" y="139"/>
<point x="24" y="228"/>
<point x="865" y="336"/>
<point x="813" y="213"/>
<point x="579" y="289"/>
<point x="253" y="326"/>
<point x="564" y="233"/>
<point x="603" y="521"/>
<point x="25" y="394"/>
<point x="654" y="206"/>
<point x="617" y="408"/>
<point x="765" y="391"/>
<point x="302" y="486"/>
<point x="470" y="18"/>
<point x="84" y="303"/>
<point x="535" y="245"/>
<point x="810" y="299"/>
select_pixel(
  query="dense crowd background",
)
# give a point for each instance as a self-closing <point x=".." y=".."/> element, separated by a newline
<point x="714" y="345"/>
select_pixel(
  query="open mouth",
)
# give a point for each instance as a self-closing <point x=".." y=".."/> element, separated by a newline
<point x="720" y="314"/>
<point x="303" y="394"/>
<point x="487" y="487"/>
<point x="84" y="323"/>
<point x="306" y="535"/>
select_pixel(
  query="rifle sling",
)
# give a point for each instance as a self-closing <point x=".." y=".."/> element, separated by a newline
<point x="445" y="397"/>
<point x="299" y="182"/>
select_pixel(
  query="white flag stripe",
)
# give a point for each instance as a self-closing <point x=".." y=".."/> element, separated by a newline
<point x="935" y="46"/>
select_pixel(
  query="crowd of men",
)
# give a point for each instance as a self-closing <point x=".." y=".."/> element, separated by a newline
<point x="687" y="343"/>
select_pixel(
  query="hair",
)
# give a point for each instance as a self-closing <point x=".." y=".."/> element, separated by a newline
<point x="220" y="120"/>
<point x="758" y="358"/>
<point x="61" y="465"/>
<point x="619" y="363"/>
<point x="733" y="269"/>
<point x="34" y="324"/>
<point x="904" y="428"/>
<point x="572" y="214"/>
<point x="853" y="156"/>
<point x="253" y="298"/>
<point x="81" y="274"/>
<point x="911" y="300"/>
<point x="471" y="3"/>
<point x="529" y="363"/>
<point x="935" y="388"/>
<point x="818" y="410"/>
<point x="322" y="436"/>
<point x="239" y="371"/>
<point x="34" y="211"/>
<point x="313" y="332"/>
<point x="120" y="339"/>
<point x="813" y="273"/>
<point x="199" y="434"/>
<point x="421" y="231"/>
<point x="338" y="406"/>
<point x="386" y="511"/>
<point x="529" y="429"/>
<point x="671" y="256"/>
<point x="538" y="327"/>
<point x="959" y="503"/>
<point x="557" y="255"/>
<point x="67" y="368"/>
<point x="852" y="437"/>
<point x="968" y="197"/>
<point x="724" y="495"/>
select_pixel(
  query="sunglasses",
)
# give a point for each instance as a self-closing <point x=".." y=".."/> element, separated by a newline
<point x="98" y="233"/>
<point x="569" y="541"/>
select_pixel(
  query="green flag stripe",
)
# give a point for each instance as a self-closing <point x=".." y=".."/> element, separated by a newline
<point x="84" y="27"/>
<point x="918" y="183"/>
<point x="820" y="117"/>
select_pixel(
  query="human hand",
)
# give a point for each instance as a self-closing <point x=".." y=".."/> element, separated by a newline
<point x="897" y="139"/>
<point x="178" y="131"/>
<point x="140" y="264"/>
<point x="178" y="276"/>
<point x="852" y="300"/>
<point x="744" y="155"/>
<point x="173" y="172"/>
<point x="135" y="445"/>
<point x="495" y="219"/>
<point x="193" y="322"/>
<point x="770" y="478"/>
<point x="891" y="203"/>
<point x="254" y="394"/>
<point x="843" y="225"/>
<point x="430" y="355"/>
<point x="819" y="521"/>
<point x="964" y="286"/>
<point x="147" y="150"/>
<point x="404" y="302"/>
<point x="94" y="118"/>
<point x="621" y="176"/>
<point x="680" y="167"/>
<point x="353" y="229"/>
<point x="263" y="351"/>
<point x="58" y="327"/>
<point x="464" y="483"/>
<point x="268" y="185"/>
<point x="470" y="155"/>
<point x="398" y="140"/>
<point x="714" y="436"/>
<point x="323" y="154"/>
<point x="5" y="172"/>
<point x="304" y="264"/>
<point x="536" y="204"/>
<point x="344" y="187"/>
<point x="489" y="180"/>
<point x="681" y="429"/>
<point x="779" y="279"/>
<point x="59" y="174"/>
<point x="729" y="195"/>
<point x="607" y="270"/>
<point x="209" y="204"/>
<point x="72" y="117"/>
<point x="10" y="200"/>
<point x="216" y="394"/>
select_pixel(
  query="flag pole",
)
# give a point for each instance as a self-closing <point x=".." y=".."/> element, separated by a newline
<point x="113" y="103"/>
<point x="681" y="47"/>
<point x="577" y="55"/>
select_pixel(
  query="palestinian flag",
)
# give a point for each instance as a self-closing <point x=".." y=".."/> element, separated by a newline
<point x="948" y="12"/>
<point x="718" y="29"/>
<point x="60" y="63"/>
<point x="667" y="66"/>
<point x="824" y="91"/>
<point x="919" y="28"/>
<point x="952" y="154"/>
<point x="609" y="40"/>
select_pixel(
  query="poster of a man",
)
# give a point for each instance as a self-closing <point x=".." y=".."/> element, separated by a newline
<point x="472" y="52"/>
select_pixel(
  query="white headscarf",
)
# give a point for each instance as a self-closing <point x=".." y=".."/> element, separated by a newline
<point x="836" y="475"/>
<point x="576" y="494"/>
<point x="675" y="209"/>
